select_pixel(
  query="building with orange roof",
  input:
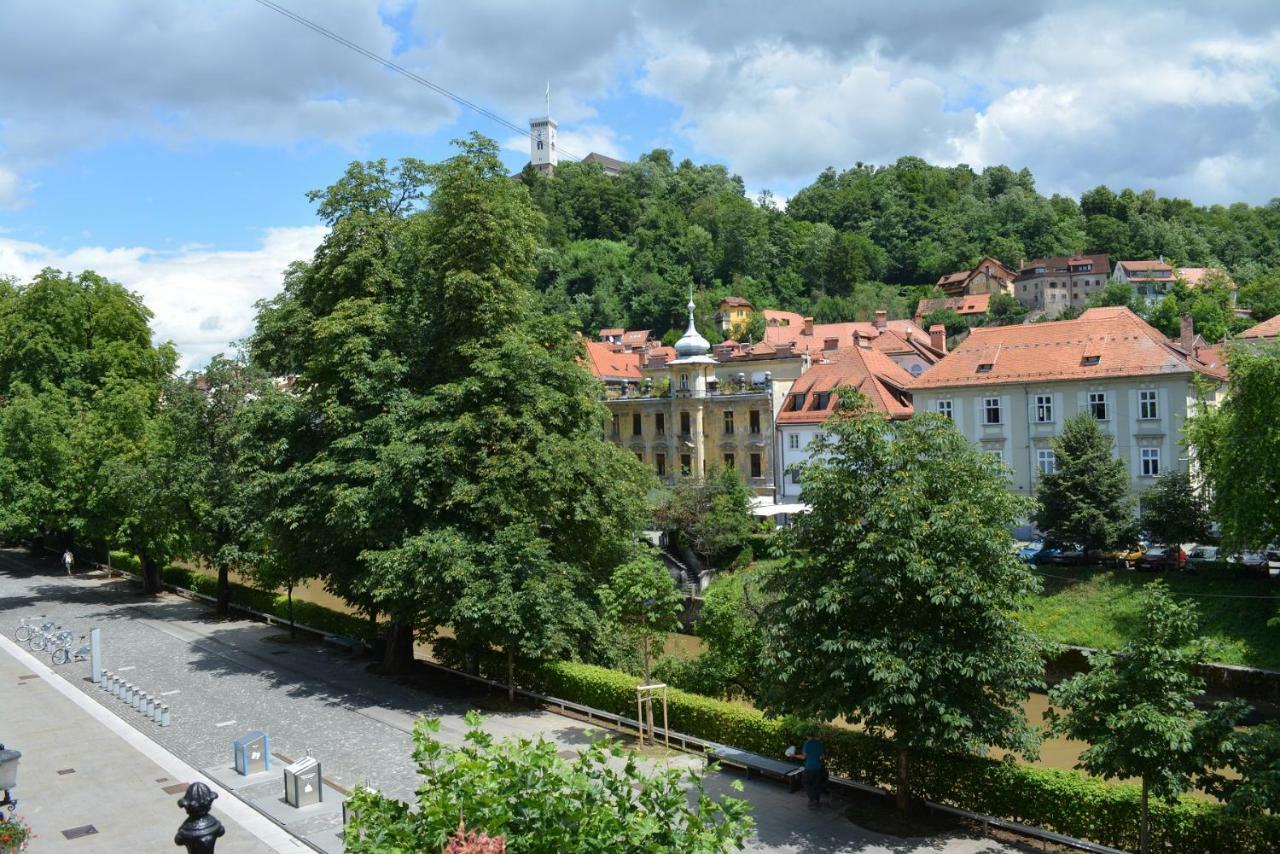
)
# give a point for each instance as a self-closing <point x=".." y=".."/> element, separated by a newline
<point x="687" y="408"/>
<point x="1266" y="332"/>
<point x="909" y="345"/>
<point x="988" y="276"/>
<point x="732" y="315"/>
<point x="966" y="306"/>
<point x="1048" y="286"/>
<point x="1010" y="389"/>
<point x="813" y="399"/>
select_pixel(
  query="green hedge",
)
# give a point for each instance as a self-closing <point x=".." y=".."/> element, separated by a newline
<point x="1067" y="802"/>
<point x="306" y="614"/>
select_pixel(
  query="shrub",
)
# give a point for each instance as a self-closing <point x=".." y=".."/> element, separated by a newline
<point x="1067" y="802"/>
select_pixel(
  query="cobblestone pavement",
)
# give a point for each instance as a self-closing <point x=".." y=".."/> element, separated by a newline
<point x="224" y="678"/>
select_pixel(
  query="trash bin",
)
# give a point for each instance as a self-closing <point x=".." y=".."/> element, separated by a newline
<point x="252" y="754"/>
<point x="302" y="786"/>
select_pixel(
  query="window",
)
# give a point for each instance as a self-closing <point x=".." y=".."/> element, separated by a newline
<point x="1147" y="407"/>
<point x="1046" y="461"/>
<point x="755" y="421"/>
<point x="728" y="421"/>
<point x="728" y="461"/>
<point x="795" y="476"/>
<point x="943" y="408"/>
<point x="755" y="465"/>
<point x="686" y="464"/>
<point x="793" y="441"/>
<point x="684" y="382"/>
<point x="797" y="401"/>
<point x="636" y="428"/>
<point x="613" y="427"/>
<point x="991" y="410"/>
<point x="984" y="367"/>
<point x="1089" y="361"/>
<point x="660" y="423"/>
<point x="1150" y="458"/>
<point x="660" y="463"/>
<point x="640" y="456"/>
<point x="1098" y="405"/>
<point x="684" y="424"/>
<point x="997" y="455"/>
<point x="1044" y="408"/>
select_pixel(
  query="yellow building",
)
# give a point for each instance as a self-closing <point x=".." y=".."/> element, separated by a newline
<point x="694" y="409"/>
<point x="732" y="316"/>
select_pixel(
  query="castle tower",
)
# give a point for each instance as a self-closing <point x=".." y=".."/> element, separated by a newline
<point x="542" y="140"/>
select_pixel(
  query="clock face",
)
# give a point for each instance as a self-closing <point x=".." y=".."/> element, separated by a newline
<point x="538" y="135"/>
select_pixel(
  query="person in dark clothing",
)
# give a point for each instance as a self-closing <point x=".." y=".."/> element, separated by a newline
<point x="815" y="768"/>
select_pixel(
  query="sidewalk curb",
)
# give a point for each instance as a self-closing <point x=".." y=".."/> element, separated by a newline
<point x="266" y="831"/>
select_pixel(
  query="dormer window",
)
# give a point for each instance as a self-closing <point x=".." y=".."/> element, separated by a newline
<point x="821" y="400"/>
<point x="985" y="367"/>
<point x="1090" y="360"/>
<point x="797" y="401"/>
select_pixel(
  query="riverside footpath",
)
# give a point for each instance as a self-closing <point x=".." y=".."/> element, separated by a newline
<point x="223" y="678"/>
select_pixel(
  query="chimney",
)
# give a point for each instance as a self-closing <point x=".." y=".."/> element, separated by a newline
<point x="938" y="337"/>
<point x="882" y="318"/>
<point x="1188" y="335"/>
<point x="808" y="326"/>
<point x="831" y="344"/>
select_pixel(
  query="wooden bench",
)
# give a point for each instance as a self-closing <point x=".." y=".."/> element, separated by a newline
<point x="756" y="765"/>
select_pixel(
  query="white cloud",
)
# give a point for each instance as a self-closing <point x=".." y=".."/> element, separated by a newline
<point x="202" y="298"/>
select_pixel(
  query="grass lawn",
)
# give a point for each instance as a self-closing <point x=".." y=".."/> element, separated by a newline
<point x="1096" y="607"/>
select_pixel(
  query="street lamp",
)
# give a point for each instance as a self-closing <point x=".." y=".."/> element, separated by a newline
<point x="9" y="775"/>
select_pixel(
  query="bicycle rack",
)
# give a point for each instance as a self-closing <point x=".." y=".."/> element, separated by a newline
<point x="150" y="707"/>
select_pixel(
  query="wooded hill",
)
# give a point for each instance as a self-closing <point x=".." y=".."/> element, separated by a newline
<point x="624" y="251"/>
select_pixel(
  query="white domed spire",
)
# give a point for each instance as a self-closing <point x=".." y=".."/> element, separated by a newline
<point x="692" y="343"/>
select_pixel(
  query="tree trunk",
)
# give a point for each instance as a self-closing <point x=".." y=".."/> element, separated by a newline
<point x="151" y="581"/>
<point x="511" y="674"/>
<point x="903" y="793"/>
<point x="646" y="659"/>
<point x="399" y="655"/>
<point x="288" y="595"/>
<point x="1144" y="835"/>
<point x="223" y="605"/>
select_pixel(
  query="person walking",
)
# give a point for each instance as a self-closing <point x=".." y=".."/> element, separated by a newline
<point x="68" y="559"/>
<point x="815" y="768"/>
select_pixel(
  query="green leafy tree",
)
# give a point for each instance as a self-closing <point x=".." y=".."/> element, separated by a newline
<point x="444" y="463"/>
<point x="1173" y="510"/>
<point x="711" y="515"/>
<point x="641" y="602"/>
<point x="949" y="318"/>
<point x="208" y="411"/>
<point x="1256" y="759"/>
<point x="1005" y="310"/>
<point x="730" y="627"/>
<point x="1086" y="501"/>
<point x="1116" y="294"/>
<point x="1236" y="450"/>
<point x="896" y="610"/>
<point x="1262" y="296"/>
<point x="1135" y="709"/>
<point x="540" y="803"/>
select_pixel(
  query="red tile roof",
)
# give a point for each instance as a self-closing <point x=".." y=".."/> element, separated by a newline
<point x="869" y="371"/>
<point x="1265" y="329"/>
<point x="1137" y="267"/>
<point x="1060" y="266"/>
<point x="972" y="304"/>
<point x="783" y="327"/>
<point x="736" y="301"/>
<point x="611" y="332"/>
<point x="608" y="363"/>
<point x="1101" y="343"/>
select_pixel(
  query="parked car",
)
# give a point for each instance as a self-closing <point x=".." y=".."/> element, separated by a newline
<point x="1060" y="555"/>
<point x="1027" y="553"/>
<point x="1162" y="558"/>
<point x="1252" y="560"/>
<point x="1123" y="557"/>
<point x="1202" y="555"/>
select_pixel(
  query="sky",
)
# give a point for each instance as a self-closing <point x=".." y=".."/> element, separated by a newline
<point x="170" y="145"/>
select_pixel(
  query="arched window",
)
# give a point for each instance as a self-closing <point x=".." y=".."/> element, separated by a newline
<point x="539" y="145"/>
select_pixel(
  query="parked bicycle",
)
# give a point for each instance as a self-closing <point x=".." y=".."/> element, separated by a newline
<point x="28" y="625"/>
<point x="49" y="637"/>
<point x="63" y="654"/>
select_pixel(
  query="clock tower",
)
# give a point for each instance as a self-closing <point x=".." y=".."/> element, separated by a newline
<point x="542" y="140"/>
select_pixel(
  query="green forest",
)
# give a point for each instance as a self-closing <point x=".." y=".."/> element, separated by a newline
<point x="624" y="251"/>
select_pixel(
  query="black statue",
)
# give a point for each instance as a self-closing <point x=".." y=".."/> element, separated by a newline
<point x="200" y="831"/>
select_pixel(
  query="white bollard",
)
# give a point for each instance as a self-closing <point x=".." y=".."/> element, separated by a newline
<point x="164" y="715"/>
<point x="155" y="711"/>
<point x="129" y="692"/>
<point x="120" y="686"/>
<point x="150" y="708"/>
<point x="107" y="679"/>
<point x="138" y="699"/>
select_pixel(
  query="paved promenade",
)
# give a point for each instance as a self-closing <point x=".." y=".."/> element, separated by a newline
<point x="87" y="786"/>
<point x="224" y="678"/>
